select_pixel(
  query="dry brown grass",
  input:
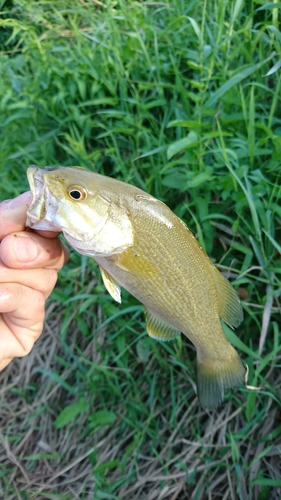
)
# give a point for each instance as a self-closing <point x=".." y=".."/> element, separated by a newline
<point x="61" y="464"/>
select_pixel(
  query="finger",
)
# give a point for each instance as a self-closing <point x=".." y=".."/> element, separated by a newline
<point x="42" y="280"/>
<point x="4" y="363"/>
<point x="13" y="215"/>
<point x="22" y="319"/>
<point x="26" y="250"/>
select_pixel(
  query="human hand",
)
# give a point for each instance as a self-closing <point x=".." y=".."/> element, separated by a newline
<point x="29" y="262"/>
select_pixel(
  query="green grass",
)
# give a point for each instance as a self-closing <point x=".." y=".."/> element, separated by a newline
<point x="181" y="99"/>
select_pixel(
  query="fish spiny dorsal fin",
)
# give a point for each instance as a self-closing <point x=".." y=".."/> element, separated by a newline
<point x="158" y="329"/>
<point x="230" y="309"/>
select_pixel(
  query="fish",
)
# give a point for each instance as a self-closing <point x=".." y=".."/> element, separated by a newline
<point x="141" y="245"/>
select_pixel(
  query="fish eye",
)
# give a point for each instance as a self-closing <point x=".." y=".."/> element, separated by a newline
<point x="77" y="193"/>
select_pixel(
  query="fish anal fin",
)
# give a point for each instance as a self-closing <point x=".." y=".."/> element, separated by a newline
<point x="215" y="376"/>
<point x="158" y="329"/>
<point x="135" y="264"/>
<point x="231" y="311"/>
<point x="110" y="284"/>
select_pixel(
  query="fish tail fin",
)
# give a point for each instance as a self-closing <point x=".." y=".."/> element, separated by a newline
<point x="215" y="376"/>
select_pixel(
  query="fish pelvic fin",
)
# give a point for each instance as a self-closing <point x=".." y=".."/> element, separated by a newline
<point x="158" y="329"/>
<point x="215" y="376"/>
<point x="110" y="284"/>
<point x="231" y="311"/>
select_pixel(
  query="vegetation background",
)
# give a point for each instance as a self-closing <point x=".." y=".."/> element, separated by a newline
<point x="183" y="100"/>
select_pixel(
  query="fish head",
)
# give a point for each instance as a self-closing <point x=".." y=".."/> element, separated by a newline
<point x="75" y="201"/>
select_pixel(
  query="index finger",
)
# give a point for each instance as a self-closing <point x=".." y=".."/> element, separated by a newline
<point x="13" y="216"/>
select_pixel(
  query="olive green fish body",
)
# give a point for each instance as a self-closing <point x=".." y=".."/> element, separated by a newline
<point x="141" y="245"/>
<point x="161" y="270"/>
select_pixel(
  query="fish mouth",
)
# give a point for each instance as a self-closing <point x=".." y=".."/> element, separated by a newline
<point x="36" y="182"/>
<point x="38" y="216"/>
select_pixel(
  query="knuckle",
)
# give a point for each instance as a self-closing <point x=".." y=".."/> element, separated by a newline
<point x="4" y="273"/>
<point x="40" y="303"/>
<point x="51" y="279"/>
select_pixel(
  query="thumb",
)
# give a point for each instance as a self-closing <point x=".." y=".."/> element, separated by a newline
<point x="28" y="250"/>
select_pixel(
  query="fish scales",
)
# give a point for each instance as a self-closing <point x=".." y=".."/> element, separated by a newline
<point x="165" y="291"/>
<point x="141" y="245"/>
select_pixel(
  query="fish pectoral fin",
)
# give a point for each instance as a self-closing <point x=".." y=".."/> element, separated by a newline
<point x="231" y="311"/>
<point x="110" y="284"/>
<point x="215" y="376"/>
<point x="135" y="264"/>
<point x="158" y="329"/>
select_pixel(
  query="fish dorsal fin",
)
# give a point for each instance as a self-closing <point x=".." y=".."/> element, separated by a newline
<point x="110" y="284"/>
<point x="158" y="329"/>
<point x="231" y="311"/>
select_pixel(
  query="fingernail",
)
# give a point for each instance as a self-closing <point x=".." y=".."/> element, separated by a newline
<point x="25" y="249"/>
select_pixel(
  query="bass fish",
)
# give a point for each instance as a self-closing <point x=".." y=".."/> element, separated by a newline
<point x="141" y="245"/>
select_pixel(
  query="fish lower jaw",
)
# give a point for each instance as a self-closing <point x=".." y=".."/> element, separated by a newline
<point x="83" y="246"/>
<point x="42" y="225"/>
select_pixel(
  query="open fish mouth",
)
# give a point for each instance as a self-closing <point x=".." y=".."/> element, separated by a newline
<point x="37" y="209"/>
<point x="41" y="209"/>
<point x="36" y="182"/>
